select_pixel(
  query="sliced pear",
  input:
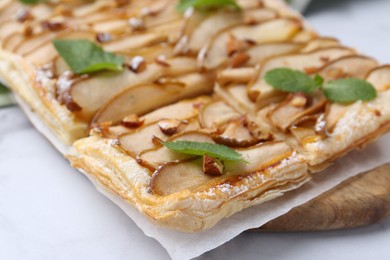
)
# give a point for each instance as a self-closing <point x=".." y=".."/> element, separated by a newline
<point x="97" y="17"/>
<point x="236" y="75"/>
<point x="303" y="134"/>
<point x="305" y="36"/>
<point x="94" y="7"/>
<point x="92" y="93"/>
<point x="183" y="110"/>
<point x="215" y="114"/>
<point x="144" y="98"/>
<point x="133" y="42"/>
<point x="380" y="77"/>
<point x="43" y="55"/>
<point x="333" y="114"/>
<point x="259" y="158"/>
<point x="224" y="19"/>
<point x="264" y="94"/>
<point x="236" y="96"/>
<point x="285" y="114"/>
<point x="9" y="28"/>
<point x="156" y="157"/>
<point x="13" y="41"/>
<point x="261" y="52"/>
<point x="142" y="139"/>
<point x="34" y="42"/>
<point x="111" y="26"/>
<point x="179" y="66"/>
<point x="319" y="43"/>
<point x="354" y="66"/>
<point x="277" y="30"/>
<point x="179" y="176"/>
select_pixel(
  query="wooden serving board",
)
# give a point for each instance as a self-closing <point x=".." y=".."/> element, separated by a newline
<point x="358" y="201"/>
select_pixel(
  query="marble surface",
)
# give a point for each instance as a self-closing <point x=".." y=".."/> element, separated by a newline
<point x="50" y="211"/>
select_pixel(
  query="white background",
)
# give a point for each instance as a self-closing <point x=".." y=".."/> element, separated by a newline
<point x="50" y="211"/>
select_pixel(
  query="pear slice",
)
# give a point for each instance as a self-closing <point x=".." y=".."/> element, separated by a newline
<point x="8" y="28"/>
<point x="144" y="98"/>
<point x="236" y="96"/>
<point x="178" y="176"/>
<point x="215" y="114"/>
<point x="261" y="52"/>
<point x="224" y="19"/>
<point x="380" y="77"/>
<point x="259" y="157"/>
<point x="354" y="66"/>
<point x="236" y="75"/>
<point x="133" y="42"/>
<point x="156" y="157"/>
<point x="264" y="94"/>
<point x="303" y="135"/>
<point x="90" y="94"/>
<point x="305" y="36"/>
<point x="86" y="10"/>
<point x="215" y="53"/>
<point x="10" y="43"/>
<point x="34" y="42"/>
<point x="42" y="55"/>
<point x="182" y="110"/>
<point x="320" y="43"/>
<point x="286" y="113"/>
<point x="111" y="26"/>
<point x="334" y="113"/>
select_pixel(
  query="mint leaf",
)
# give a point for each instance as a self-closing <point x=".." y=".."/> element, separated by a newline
<point x="185" y="4"/>
<point x="289" y="80"/>
<point x="31" y="2"/>
<point x="5" y="97"/>
<point x="349" y="90"/>
<point x="197" y="148"/>
<point x="84" y="56"/>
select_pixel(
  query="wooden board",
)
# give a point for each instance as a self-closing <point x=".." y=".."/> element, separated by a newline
<point x="359" y="201"/>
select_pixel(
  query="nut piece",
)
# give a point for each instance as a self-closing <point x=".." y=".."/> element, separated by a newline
<point x="169" y="126"/>
<point x="298" y="100"/>
<point x="103" y="37"/>
<point x="239" y="59"/>
<point x="212" y="166"/>
<point x="137" y="64"/>
<point x="132" y="121"/>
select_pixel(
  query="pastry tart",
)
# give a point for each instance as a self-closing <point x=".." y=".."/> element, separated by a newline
<point x="191" y="77"/>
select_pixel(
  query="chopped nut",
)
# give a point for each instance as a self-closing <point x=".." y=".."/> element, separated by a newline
<point x="137" y="64"/>
<point x="299" y="100"/>
<point x="27" y="30"/>
<point x="157" y="140"/>
<point x="136" y="24"/>
<point x="162" y="60"/>
<point x="310" y="70"/>
<point x="132" y="121"/>
<point x="23" y="15"/>
<point x="53" y="25"/>
<point x="378" y="113"/>
<point x="239" y="59"/>
<point x="169" y="126"/>
<point x="324" y="58"/>
<point x="212" y="166"/>
<point x="103" y="37"/>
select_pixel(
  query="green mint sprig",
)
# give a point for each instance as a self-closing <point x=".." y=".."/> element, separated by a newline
<point x="31" y="2"/>
<point x="200" y="148"/>
<point x="183" y="5"/>
<point x="340" y="91"/>
<point x="84" y="56"/>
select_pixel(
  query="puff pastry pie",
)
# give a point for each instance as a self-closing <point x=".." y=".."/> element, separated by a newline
<point x="193" y="76"/>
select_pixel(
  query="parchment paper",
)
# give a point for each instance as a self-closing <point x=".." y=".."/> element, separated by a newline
<point x="186" y="246"/>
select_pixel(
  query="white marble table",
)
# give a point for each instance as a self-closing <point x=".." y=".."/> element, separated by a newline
<point x="50" y="211"/>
